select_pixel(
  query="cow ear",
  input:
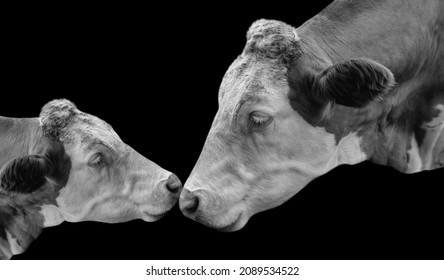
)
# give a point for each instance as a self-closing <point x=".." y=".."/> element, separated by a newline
<point x="56" y="115"/>
<point x="353" y="83"/>
<point x="25" y="174"/>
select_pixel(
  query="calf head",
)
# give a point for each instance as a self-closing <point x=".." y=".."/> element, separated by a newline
<point x="286" y="115"/>
<point x="78" y="169"/>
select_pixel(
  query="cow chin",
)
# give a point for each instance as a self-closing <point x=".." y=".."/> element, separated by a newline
<point x="238" y="223"/>
<point x="234" y="220"/>
<point x="152" y="216"/>
<point x="151" y="212"/>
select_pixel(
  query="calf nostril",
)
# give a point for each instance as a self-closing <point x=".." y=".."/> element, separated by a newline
<point x="173" y="184"/>
<point x="174" y="188"/>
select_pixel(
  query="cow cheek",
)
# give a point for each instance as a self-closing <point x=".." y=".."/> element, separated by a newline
<point x="282" y="165"/>
<point x="143" y="183"/>
<point x="82" y="192"/>
<point x="113" y="210"/>
<point x="271" y="172"/>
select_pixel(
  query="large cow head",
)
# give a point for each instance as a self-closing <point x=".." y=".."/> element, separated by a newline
<point x="74" y="167"/>
<point x="286" y="115"/>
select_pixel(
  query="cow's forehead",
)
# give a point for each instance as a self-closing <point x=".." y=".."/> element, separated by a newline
<point x="88" y="130"/>
<point x="249" y="78"/>
<point x="261" y="69"/>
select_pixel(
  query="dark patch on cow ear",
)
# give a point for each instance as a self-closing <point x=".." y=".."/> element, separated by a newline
<point x="353" y="83"/>
<point x="25" y="174"/>
<point x="56" y="115"/>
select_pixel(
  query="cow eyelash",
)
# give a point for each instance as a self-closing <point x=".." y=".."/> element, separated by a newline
<point x="97" y="160"/>
<point x="259" y="119"/>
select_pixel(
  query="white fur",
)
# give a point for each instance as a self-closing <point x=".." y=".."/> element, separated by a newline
<point x="433" y="131"/>
<point x="296" y="37"/>
<point x="349" y="150"/>
<point x="51" y="215"/>
<point x="15" y="247"/>
<point x="415" y="162"/>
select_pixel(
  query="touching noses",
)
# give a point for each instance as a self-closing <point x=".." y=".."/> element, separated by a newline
<point x="188" y="202"/>
<point x="191" y="202"/>
<point x="172" y="184"/>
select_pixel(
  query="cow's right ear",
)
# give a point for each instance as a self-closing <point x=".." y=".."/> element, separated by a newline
<point x="25" y="174"/>
<point x="353" y="83"/>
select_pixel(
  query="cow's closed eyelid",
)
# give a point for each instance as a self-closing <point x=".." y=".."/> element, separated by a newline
<point x="259" y="120"/>
<point x="97" y="160"/>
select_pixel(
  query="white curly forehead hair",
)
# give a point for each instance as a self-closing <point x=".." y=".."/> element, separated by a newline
<point x="61" y="120"/>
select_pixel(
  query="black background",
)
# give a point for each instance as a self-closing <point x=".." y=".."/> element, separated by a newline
<point x="153" y="73"/>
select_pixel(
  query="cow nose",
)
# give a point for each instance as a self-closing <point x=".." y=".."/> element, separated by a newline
<point x="188" y="202"/>
<point x="173" y="184"/>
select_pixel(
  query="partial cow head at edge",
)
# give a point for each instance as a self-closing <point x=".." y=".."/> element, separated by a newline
<point x="123" y="184"/>
<point x="71" y="166"/>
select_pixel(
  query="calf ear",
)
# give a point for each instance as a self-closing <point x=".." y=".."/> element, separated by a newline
<point x="353" y="83"/>
<point x="25" y="174"/>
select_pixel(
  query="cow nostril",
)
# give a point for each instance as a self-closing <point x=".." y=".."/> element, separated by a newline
<point x="174" y="188"/>
<point x="192" y="205"/>
<point x="189" y="203"/>
<point x="173" y="184"/>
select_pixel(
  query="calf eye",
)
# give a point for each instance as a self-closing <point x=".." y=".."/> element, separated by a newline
<point x="258" y="119"/>
<point x="97" y="160"/>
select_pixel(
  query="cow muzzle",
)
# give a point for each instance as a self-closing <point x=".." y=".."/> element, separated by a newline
<point x="164" y="197"/>
<point x="167" y="190"/>
<point x="172" y="185"/>
<point x="206" y="208"/>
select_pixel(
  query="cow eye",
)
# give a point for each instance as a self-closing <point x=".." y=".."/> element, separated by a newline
<point x="258" y="119"/>
<point x="97" y="160"/>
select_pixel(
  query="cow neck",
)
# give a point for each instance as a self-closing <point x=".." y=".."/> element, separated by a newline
<point x="377" y="31"/>
<point x="400" y="139"/>
<point x="387" y="145"/>
<point x="394" y="139"/>
<point x="20" y="220"/>
<point x="19" y="226"/>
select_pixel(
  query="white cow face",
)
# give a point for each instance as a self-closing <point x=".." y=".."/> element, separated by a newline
<point x="263" y="146"/>
<point x="108" y="181"/>
<point x="258" y="154"/>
